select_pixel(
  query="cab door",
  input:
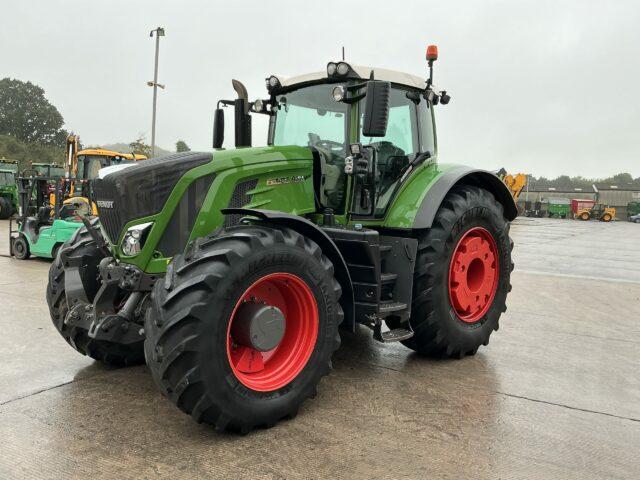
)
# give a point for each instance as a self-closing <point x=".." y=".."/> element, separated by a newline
<point x="409" y="134"/>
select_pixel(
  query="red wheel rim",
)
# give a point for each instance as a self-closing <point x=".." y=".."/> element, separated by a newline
<point x="271" y="370"/>
<point x="473" y="274"/>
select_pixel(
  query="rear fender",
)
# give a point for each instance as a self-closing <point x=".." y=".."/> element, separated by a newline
<point x="315" y="233"/>
<point x="442" y="185"/>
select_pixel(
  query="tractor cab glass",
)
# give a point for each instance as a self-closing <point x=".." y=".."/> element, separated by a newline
<point x="309" y="117"/>
<point x="7" y="178"/>
<point x="409" y="133"/>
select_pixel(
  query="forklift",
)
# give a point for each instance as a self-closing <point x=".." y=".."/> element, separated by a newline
<point x="45" y="221"/>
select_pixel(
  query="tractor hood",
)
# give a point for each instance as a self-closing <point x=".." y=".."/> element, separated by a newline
<point x="125" y="193"/>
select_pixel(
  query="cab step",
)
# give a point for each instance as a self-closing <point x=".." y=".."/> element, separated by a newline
<point x="390" y="307"/>
<point x="395" y="335"/>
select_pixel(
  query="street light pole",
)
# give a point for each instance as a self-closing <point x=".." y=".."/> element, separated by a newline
<point x="159" y="33"/>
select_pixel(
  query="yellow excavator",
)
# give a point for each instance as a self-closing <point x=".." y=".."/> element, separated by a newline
<point x="514" y="182"/>
<point x="82" y="166"/>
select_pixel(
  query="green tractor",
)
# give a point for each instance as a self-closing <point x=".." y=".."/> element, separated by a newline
<point x="8" y="193"/>
<point x="231" y="272"/>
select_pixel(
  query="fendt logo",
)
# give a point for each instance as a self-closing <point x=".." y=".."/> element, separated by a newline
<point x="105" y="203"/>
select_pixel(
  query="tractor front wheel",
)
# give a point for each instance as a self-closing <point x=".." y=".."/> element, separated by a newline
<point x="244" y="326"/>
<point x="462" y="275"/>
<point x="584" y="216"/>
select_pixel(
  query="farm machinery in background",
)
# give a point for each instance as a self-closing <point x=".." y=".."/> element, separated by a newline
<point x="52" y="206"/>
<point x="8" y="188"/>
<point x="515" y="184"/>
<point x="596" y="211"/>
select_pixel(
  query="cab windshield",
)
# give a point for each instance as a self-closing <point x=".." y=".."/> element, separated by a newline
<point x="310" y="117"/>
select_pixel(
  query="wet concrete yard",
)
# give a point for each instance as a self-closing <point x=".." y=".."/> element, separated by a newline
<point x="556" y="394"/>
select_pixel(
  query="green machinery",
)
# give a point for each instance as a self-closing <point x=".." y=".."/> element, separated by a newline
<point x="559" y="207"/>
<point x="230" y="272"/>
<point x="44" y="223"/>
<point x="8" y="188"/>
<point x="633" y="208"/>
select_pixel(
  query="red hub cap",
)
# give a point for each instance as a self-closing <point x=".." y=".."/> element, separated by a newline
<point x="473" y="274"/>
<point x="270" y="370"/>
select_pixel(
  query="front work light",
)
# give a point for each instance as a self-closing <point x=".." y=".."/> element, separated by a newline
<point x="338" y="93"/>
<point x="134" y="238"/>
<point x="331" y="69"/>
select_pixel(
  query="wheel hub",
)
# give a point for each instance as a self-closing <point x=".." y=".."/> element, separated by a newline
<point x="258" y="326"/>
<point x="272" y="331"/>
<point x="473" y="274"/>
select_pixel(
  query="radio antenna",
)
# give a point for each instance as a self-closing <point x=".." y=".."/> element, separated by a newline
<point x="343" y="53"/>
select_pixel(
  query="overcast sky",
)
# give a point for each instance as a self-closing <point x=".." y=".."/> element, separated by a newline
<point x="547" y="87"/>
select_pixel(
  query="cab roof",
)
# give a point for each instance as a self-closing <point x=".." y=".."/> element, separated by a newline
<point x="364" y="72"/>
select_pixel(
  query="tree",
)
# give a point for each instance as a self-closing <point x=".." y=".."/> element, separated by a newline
<point x="181" y="146"/>
<point x="26" y="114"/>
<point x="139" y="147"/>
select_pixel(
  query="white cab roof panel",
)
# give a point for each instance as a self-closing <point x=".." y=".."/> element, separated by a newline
<point x="392" y="76"/>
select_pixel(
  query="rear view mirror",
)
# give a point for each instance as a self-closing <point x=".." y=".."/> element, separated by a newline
<point x="218" y="128"/>
<point x="376" y="110"/>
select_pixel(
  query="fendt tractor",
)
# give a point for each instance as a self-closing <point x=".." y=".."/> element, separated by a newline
<point x="230" y="272"/>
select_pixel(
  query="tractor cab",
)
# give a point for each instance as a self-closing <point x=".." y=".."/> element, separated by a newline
<point x="368" y="128"/>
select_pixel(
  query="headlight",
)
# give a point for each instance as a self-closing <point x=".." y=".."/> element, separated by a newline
<point x="331" y="69"/>
<point x="134" y="239"/>
<point x="338" y="93"/>
<point x="258" y="105"/>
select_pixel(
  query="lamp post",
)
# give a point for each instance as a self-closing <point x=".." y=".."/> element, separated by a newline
<point x="159" y="33"/>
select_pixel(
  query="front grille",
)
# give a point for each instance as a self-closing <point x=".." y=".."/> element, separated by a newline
<point x="174" y="239"/>
<point x="141" y="189"/>
<point x="239" y="198"/>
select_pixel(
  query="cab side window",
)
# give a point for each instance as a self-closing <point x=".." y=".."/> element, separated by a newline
<point x="425" y="124"/>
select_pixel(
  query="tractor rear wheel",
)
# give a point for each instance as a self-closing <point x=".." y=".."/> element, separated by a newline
<point x="6" y="209"/>
<point x="606" y="217"/>
<point x="462" y="275"/>
<point x="107" y="352"/>
<point x="244" y="326"/>
<point x="584" y="216"/>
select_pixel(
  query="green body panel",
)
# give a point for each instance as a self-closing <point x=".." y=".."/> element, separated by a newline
<point x="290" y="167"/>
<point x="406" y="203"/>
<point x="558" y="208"/>
<point x="9" y="191"/>
<point x="49" y="237"/>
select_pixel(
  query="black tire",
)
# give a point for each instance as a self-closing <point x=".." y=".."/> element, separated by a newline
<point x="20" y="248"/>
<point x="6" y="209"/>
<point x="186" y="328"/>
<point x="106" y="352"/>
<point x="439" y="331"/>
